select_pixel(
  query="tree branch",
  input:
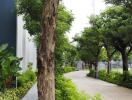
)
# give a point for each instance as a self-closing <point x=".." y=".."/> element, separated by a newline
<point x="113" y="53"/>
<point x="129" y="51"/>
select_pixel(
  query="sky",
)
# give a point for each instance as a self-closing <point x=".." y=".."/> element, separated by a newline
<point x="81" y="10"/>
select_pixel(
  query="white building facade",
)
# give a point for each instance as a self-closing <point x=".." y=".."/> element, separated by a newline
<point x="25" y="46"/>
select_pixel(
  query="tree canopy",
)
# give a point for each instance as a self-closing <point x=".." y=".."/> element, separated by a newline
<point x="32" y="10"/>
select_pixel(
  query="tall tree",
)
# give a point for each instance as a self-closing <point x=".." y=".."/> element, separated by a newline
<point x="106" y="40"/>
<point x="70" y="55"/>
<point x="32" y="18"/>
<point x="125" y="3"/>
<point x="46" y="75"/>
<point x="98" y="38"/>
<point x="117" y="24"/>
<point x="89" y="45"/>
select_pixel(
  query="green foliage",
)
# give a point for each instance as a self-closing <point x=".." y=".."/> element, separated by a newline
<point x="32" y="10"/>
<point x="66" y="90"/>
<point x="25" y="82"/>
<point x="16" y="94"/>
<point x="64" y="21"/>
<point x="97" y="97"/>
<point x="103" y="55"/>
<point x="125" y="3"/>
<point x="89" y="44"/>
<point x="26" y="76"/>
<point x="61" y="55"/>
<point x="111" y="29"/>
<point x="113" y="77"/>
<point x="67" y="69"/>
<point x="9" y="67"/>
<point x="130" y="57"/>
<point x="91" y="73"/>
<point x="116" y="25"/>
<point x="70" y="55"/>
<point x="116" y="56"/>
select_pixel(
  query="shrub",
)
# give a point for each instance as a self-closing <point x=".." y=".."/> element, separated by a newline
<point x="66" y="90"/>
<point x="9" y="67"/>
<point x="97" y="97"/>
<point x="16" y="94"/>
<point x="114" y="77"/>
<point x="68" y="69"/>
<point x="26" y="76"/>
<point x="91" y="73"/>
<point x="128" y="82"/>
<point x="25" y="82"/>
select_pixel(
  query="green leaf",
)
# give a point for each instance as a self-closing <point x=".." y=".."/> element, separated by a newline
<point x="3" y="47"/>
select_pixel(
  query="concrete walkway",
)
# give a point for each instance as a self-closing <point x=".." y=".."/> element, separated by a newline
<point x="93" y="86"/>
<point x="32" y="94"/>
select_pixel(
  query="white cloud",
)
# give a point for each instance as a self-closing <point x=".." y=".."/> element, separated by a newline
<point x="81" y="10"/>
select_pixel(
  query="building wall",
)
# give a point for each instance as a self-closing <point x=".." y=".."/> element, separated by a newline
<point x="8" y="22"/>
<point x="21" y="41"/>
<point x="25" y="46"/>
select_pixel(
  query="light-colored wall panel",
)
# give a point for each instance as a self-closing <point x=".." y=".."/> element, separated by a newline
<point x="25" y="46"/>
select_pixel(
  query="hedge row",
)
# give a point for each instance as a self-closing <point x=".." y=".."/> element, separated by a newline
<point x="113" y="77"/>
<point x="67" y="69"/>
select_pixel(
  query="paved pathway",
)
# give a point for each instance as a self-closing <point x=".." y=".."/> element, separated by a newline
<point x="32" y="94"/>
<point x="93" y="86"/>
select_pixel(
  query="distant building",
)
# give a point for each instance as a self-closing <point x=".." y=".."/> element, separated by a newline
<point x="13" y="33"/>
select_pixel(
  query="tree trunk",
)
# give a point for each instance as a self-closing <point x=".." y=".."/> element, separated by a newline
<point x="46" y="77"/>
<point x="85" y="64"/>
<point x="125" y="64"/>
<point x="109" y="55"/>
<point x="82" y="65"/>
<point x="90" y="66"/>
<point x="109" y="66"/>
<point x="96" y="69"/>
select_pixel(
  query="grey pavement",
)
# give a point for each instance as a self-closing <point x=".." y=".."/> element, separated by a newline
<point x="94" y="86"/>
<point x="90" y="86"/>
<point x="31" y="94"/>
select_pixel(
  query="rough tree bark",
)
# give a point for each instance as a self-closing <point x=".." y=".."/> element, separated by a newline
<point x="96" y="68"/>
<point x="90" y="65"/>
<point x="125" y="63"/>
<point x="110" y="54"/>
<point x="46" y="77"/>
<point x="96" y="63"/>
<point x="109" y="65"/>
